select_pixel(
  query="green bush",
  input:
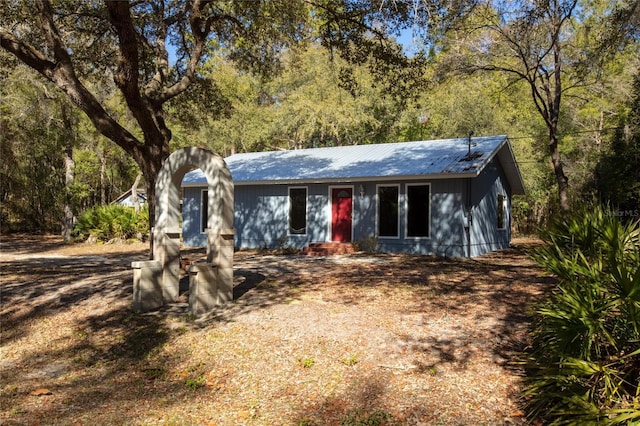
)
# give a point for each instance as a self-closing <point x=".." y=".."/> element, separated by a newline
<point x="584" y="363"/>
<point x="112" y="221"/>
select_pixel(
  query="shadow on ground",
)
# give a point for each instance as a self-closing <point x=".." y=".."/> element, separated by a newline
<point x="109" y="346"/>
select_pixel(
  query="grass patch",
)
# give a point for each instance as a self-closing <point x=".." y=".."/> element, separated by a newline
<point x="350" y="361"/>
<point x="195" y="383"/>
<point x="306" y="362"/>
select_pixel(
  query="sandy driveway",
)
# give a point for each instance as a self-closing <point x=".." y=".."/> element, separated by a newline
<point x="399" y="339"/>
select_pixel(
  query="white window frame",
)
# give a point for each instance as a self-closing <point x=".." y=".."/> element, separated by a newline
<point x="306" y="210"/>
<point x="406" y="211"/>
<point x="204" y="201"/>
<point x="382" y="185"/>
<point x="505" y="219"/>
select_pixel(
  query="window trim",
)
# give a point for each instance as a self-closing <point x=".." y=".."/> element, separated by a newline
<point x="204" y="204"/>
<point x="406" y="212"/>
<point x="504" y="212"/>
<point x="377" y="224"/>
<point x="306" y="210"/>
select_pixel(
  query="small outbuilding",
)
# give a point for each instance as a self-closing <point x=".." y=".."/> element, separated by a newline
<point x="127" y="200"/>
<point x="447" y="197"/>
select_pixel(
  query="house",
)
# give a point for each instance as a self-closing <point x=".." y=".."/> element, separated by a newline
<point x="126" y="199"/>
<point x="446" y="197"/>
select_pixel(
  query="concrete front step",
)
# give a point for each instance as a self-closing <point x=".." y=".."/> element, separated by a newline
<point x="328" y="249"/>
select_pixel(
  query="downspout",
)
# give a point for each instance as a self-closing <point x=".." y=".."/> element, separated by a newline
<point x="468" y="218"/>
<point x="468" y="215"/>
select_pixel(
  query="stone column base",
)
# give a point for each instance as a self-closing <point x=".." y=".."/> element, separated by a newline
<point x="203" y="288"/>
<point x="147" y="285"/>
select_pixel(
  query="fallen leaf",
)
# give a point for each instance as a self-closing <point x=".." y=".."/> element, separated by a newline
<point x="41" y="392"/>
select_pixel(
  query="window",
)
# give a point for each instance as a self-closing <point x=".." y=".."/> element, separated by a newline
<point x="501" y="211"/>
<point x="388" y="211"/>
<point x="297" y="211"/>
<point x="418" y="214"/>
<point x="204" y="211"/>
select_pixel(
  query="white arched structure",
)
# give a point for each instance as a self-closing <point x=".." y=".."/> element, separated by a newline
<point x="156" y="282"/>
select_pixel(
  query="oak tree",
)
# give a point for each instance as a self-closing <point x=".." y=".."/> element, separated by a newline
<point x="151" y="51"/>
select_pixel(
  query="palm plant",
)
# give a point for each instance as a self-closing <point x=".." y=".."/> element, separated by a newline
<point x="584" y="363"/>
<point x="111" y="221"/>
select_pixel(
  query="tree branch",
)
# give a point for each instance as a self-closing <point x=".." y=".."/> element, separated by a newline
<point x="127" y="75"/>
<point x="61" y="73"/>
<point x="27" y="54"/>
<point x="200" y="29"/>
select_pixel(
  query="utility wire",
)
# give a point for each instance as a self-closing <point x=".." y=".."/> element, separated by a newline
<point x="577" y="132"/>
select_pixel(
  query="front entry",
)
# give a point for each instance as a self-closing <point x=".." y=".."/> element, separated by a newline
<point x="341" y="214"/>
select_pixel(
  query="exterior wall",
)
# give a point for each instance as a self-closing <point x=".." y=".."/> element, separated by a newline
<point x="485" y="235"/>
<point x="191" y="217"/>
<point x="261" y="216"/>
<point x="446" y="223"/>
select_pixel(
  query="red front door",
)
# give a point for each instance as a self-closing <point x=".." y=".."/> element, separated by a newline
<point x="341" y="207"/>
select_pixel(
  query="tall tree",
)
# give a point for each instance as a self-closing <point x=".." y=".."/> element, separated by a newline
<point x="527" y="40"/>
<point x="314" y="101"/>
<point x="71" y="42"/>
<point x="67" y="42"/>
<point x="554" y="46"/>
<point x="69" y="168"/>
<point x="39" y="129"/>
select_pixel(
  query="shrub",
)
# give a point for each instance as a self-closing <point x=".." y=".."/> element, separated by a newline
<point x="584" y="363"/>
<point x="368" y="244"/>
<point x="112" y="221"/>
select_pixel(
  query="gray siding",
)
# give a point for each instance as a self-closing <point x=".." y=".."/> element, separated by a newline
<point x="191" y="202"/>
<point x="485" y="235"/>
<point x="261" y="216"/>
<point x="446" y="222"/>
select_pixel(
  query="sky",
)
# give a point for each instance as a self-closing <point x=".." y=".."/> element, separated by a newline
<point x="406" y="39"/>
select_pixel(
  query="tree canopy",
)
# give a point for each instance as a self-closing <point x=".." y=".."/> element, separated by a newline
<point x="83" y="47"/>
<point x="555" y="47"/>
<point x="252" y="75"/>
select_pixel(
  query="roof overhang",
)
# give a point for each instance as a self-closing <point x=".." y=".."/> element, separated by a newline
<point x="344" y="180"/>
<point x="510" y="168"/>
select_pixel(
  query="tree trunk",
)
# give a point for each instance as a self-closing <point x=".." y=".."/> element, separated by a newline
<point x="103" y="170"/>
<point x="69" y="166"/>
<point x="67" y="219"/>
<point x="599" y="134"/>
<point x="561" y="178"/>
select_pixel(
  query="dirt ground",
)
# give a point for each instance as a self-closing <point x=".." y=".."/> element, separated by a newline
<point x="353" y="340"/>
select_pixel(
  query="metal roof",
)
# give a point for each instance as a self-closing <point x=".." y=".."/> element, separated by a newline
<point x="434" y="159"/>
